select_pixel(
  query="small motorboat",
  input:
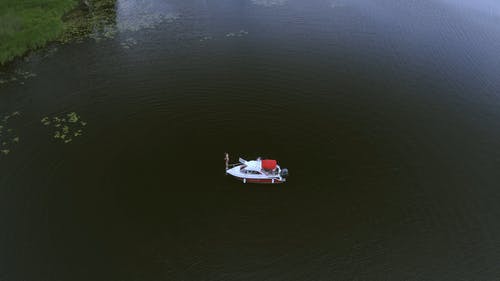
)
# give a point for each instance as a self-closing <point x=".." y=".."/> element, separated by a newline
<point x="256" y="171"/>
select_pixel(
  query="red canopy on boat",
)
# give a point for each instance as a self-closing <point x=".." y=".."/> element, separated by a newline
<point x="268" y="164"/>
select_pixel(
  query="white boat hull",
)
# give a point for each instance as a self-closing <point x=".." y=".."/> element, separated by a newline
<point x="251" y="178"/>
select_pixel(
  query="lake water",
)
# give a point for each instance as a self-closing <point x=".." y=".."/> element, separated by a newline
<point x="385" y="112"/>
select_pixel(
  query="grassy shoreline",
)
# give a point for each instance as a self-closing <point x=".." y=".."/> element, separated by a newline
<point x="30" y="24"/>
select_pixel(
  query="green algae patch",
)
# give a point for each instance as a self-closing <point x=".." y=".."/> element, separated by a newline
<point x="65" y="128"/>
<point x="8" y="136"/>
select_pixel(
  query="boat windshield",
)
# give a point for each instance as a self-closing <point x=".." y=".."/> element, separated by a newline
<point x="273" y="172"/>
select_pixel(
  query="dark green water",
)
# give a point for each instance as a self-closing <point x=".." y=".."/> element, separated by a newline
<point x="386" y="113"/>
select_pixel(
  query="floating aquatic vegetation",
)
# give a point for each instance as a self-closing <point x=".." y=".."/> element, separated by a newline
<point x="103" y="19"/>
<point x="42" y="53"/>
<point x="269" y="3"/>
<point x="105" y="32"/>
<point x="95" y="19"/>
<point x="8" y="137"/>
<point x="128" y="43"/>
<point x="17" y="76"/>
<point x="205" y="38"/>
<point x="109" y="30"/>
<point x="3" y="78"/>
<point x="25" y="74"/>
<point x="49" y="52"/>
<point x="66" y="127"/>
<point x="136" y="22"/>
<point x="237" y="34"/>
<point x="337" y="4"/>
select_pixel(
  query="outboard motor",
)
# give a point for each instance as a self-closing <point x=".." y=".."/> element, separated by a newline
<point x="284" y="172"/>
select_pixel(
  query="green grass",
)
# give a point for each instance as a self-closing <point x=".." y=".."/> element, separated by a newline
<point x="29" y="24"/>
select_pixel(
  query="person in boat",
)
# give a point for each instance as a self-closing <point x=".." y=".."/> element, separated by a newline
<point x="226" y="159"/>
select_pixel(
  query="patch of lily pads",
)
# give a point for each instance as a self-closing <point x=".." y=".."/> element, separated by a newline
<point x="128" y="43"/>
<point x="205" y="38"/>
<point x="108" y="28"/>
<point x="237" y="34"/>
<point x="104" y="33"/>
<point x="337" y="4"/>
<point x="95" y="19"/>
<point x="99" y="21"/>
<point x="240" y="33"/>
<point x="49" y="52"/>
<point x="41" y="54"/>
<point x="269" y="3"/>
<point x="65" y="127"/>
<point x="8" y="137"/>
<point x="18" y="76"/>
<point x="141" y="21"/>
